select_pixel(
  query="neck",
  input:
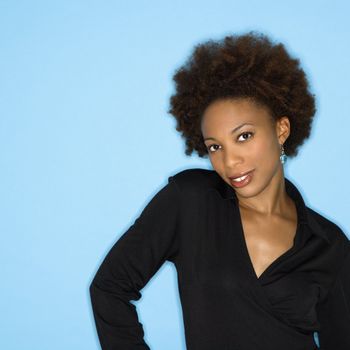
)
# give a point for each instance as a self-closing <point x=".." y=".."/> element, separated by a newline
<point x="272" y="200"/>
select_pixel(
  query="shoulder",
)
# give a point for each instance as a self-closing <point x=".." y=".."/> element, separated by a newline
<point x="196" y="180"/>
<point x="333" y="231"/>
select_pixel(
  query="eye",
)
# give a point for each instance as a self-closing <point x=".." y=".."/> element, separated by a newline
<point x="245" y="134"/>
<point x="209" y="148"/>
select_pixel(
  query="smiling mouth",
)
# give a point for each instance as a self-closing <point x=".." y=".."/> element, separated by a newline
<point x="239" y="179"/>
<point x="240" y="176"/>
<point x="242" y="180"/>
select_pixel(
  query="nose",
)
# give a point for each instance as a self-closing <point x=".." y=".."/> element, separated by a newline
<point x="232" y="159"/>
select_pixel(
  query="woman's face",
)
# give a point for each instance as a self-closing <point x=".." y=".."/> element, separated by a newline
<point x="241" y="137"/>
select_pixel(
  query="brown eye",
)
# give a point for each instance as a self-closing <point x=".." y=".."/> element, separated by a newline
<point x="245" y="135"/>
<point x="209" y="148"/>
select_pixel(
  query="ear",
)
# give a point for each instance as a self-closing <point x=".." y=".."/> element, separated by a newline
<point x="282" y="129"/>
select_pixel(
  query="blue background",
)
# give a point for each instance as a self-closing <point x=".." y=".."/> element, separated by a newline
<point x="86" y="141"/>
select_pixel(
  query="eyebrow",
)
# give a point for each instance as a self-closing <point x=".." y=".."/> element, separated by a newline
<point x="232" y="131"/>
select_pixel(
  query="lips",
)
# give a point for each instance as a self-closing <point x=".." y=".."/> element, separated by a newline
<point x="243" y="182"/>
<point x="239" y="175"/>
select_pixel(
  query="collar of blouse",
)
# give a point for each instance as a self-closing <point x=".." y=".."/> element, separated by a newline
<point x="306" y="215"/>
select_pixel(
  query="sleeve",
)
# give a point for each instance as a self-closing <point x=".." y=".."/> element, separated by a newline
<point x="129" y="265"/>
<point x="334" y="312"/>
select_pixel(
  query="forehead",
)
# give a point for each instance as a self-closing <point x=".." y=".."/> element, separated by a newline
<point x="235" y="111"/>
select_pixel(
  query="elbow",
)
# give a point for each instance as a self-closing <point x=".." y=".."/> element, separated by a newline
<point x="91" y="286"/>
<point x="92" y="289"/>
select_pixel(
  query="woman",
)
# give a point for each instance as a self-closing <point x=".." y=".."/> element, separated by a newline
<point x="257" y="268"/>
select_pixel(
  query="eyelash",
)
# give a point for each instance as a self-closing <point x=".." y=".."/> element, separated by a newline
<point x="244" y="133"/>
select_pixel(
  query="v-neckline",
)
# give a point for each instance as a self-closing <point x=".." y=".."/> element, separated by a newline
<point x="246" y="251"/>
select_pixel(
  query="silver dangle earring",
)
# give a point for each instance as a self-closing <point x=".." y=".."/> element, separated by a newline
<point x="283" y="157"/>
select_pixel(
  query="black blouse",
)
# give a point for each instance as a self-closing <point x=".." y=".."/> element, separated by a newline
<point x="194" y="221"/>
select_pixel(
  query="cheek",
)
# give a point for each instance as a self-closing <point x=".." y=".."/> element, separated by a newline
<point x="217" y="165"/>
<point x="265" y="150"/>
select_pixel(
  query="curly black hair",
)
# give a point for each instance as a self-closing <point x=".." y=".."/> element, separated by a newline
<point x="242" y="66"/>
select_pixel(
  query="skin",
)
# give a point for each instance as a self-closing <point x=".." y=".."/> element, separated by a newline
<point x="268" y="214"/>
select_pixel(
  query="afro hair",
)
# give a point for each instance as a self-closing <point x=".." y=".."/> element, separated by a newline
<point x="242" y="66"/>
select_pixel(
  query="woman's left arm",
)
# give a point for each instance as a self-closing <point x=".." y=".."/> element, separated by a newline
<point x="334" y="312"/>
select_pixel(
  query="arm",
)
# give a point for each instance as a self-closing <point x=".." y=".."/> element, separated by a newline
<point x="334" y="312"/>
<point x="128" y="266"/>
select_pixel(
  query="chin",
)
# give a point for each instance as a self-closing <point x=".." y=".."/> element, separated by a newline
<point x="254" y="188"/>
<point x="247" y="192"/>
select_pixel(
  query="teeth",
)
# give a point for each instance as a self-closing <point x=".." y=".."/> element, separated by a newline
<point x="240" y="178"/>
